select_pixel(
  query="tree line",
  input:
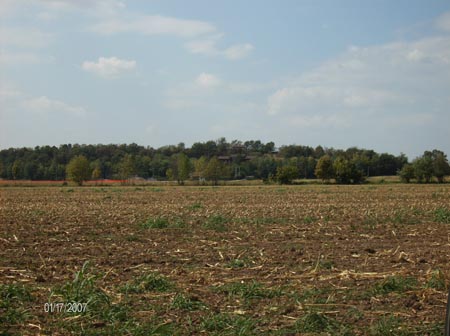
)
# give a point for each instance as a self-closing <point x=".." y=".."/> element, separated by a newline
<point x="214" y="161"/>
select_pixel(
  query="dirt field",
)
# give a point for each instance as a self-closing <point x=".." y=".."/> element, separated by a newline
<point x="315" y="260"/>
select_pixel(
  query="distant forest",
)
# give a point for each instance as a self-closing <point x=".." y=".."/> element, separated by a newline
<point x="229" y="160"/>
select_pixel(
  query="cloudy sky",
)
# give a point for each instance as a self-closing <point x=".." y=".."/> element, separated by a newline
<point x="372" y="74"/>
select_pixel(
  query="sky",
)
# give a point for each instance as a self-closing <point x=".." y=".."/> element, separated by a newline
<point x="371" y="74"/>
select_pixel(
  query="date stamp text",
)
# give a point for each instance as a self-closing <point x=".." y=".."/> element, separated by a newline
<point x="65" y="307"/>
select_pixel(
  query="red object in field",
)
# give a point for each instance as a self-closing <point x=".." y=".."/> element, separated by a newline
<point x="56" y="182"/>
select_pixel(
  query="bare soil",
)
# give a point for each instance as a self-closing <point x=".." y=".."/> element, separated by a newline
<point x="361" y="260"/>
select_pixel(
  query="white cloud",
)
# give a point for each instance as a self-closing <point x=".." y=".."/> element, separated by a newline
<point x="443" y="22"/>
<point x="414" y="119"/>
<point x="108" y="67"/>
<point x="109" y="6"/>
<point x="46" y="16"/>
<point x="207" y="80"/>
<point x="415" y="55"/>
<point x="197" y="93"/>
<point x="202" y="93"/>
<point x="9" y="93"/>
<point x="151" y="128"/>
<point x="19" y="45"/>
<point x="205" y="46"/>
<point x="111" y="17"/>
<point x="154" y="25"/>
<point x="318" y="121"/>
<point x="250" y="87"/>
<point x="24" y="38"/>
<point x="209" y="93"/>
<point x="19" y="58"/>
<point x="406" y="79"/>
<point x="52" y="9"/>
<point x="208" y="47"/>
<point x="45" y="105"/>
<point x="7" y="7"/>
<point x="238" y="51"/>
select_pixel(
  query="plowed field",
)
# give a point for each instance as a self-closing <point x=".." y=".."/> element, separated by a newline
<point x="316" y="260"/>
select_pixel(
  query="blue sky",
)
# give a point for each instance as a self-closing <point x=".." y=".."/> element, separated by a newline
<point x="372" y="74"/>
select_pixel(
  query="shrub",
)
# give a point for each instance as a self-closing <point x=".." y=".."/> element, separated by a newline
<point x="442" y="215"/>
<point x="216" y="223"/>
<point x="155" y="223"/>
<point x="286" y="174"/>
<point x="148" y="283"/>
<point x="406" y="173"/>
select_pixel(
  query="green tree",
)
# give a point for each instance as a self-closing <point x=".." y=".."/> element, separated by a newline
<point x="265" y="167"/>
<point x="342" y="170"/>
<point x="213" y="170"/>
<point x="96" y="173"/>
<point x="311" y="166"/>
<point x="158" y="166"/>
<point x="362" y="162"/>
<point x="183" y="168"/>
<point x="286" y="174"/>
<point x="17" y="169"/>
<point x="346" y="171"/>
<point x="269" y="147"/>
<point x="216" y="170"/>
<point x="406" y="173"/>
<point x="127" y="167"/>
<point x="440" y="166"/>
<point x="324" y="168"/>
<point x="170" y="174"/>
<point x="423" y="168"/>
<point x="200" y="168"/>
<point x="96" y="168"/>
<point x="357" y="173"/>
<point x="78" y="170"/>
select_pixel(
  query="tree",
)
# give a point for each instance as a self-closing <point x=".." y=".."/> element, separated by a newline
<point x="127" y="167"/>
<point x="210" y="148"/>
<point x="96" y="173"/>
<point x="158" y="166"/>
<point x="78" y="170"/>
<point x="423" y="168"/>
<point x="184" y="168"/>
<point x="387" y="164"/>
<point x="342" y="170"/>
<point x="406" y="173"/>
<point x="440" y="165"/>
<point x="265" y="167"/>
<point x="346" y="171"/>
<point x="357" y="174"/>
<point x="170" y="174"/>
<point x="362" y="162"/>
<point x="222" y="146"/>
<point x="30" y="170"/>
<point x="269" y="147"/>
<point x="249" y="158"/>
<point x="17" y="169"/>
<point x="200" y="168"/>
<point x="286" y="174"/>
<point x="213" y="170"/>
<point x="324" y="168"/>
<point x="319" y="152"/>
<point x="96" y="169"/>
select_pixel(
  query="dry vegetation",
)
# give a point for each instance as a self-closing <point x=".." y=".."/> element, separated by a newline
<point x="338" y="260"/>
